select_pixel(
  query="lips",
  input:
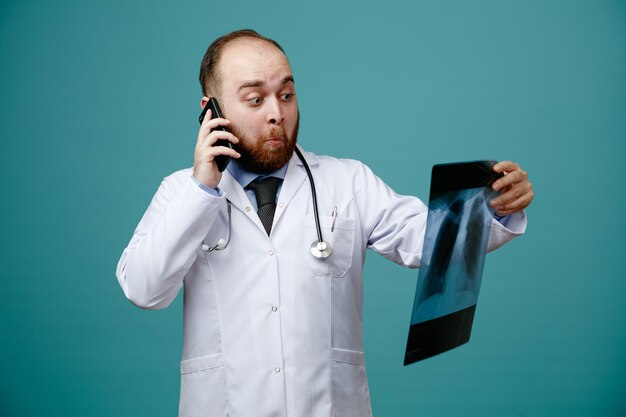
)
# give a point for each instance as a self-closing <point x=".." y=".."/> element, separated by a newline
<point x="275" y="141"/>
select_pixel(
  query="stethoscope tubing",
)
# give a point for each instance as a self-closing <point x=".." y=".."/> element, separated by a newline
<point x="319" y="249"/>
<point x="313" y="193"/>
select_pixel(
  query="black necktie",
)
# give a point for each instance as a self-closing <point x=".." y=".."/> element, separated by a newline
<point x="265" y="191"/>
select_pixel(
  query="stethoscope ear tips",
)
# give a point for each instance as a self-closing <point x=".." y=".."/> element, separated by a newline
<point x="221" y="244"/>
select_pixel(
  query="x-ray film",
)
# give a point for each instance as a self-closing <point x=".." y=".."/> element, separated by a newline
<point x="455" y="244"/>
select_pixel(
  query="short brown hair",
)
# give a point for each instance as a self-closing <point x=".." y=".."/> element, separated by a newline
<point x="209" y="77"/>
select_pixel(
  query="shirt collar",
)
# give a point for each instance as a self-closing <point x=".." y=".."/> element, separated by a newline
<point x="245" y="177"/>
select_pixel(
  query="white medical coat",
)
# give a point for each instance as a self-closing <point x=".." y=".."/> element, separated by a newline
<point x="269" y="330"/>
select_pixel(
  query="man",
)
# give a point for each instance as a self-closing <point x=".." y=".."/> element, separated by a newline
<point x="270" y="330"/>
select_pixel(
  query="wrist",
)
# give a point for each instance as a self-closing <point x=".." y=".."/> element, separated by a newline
<point x="211" y="190"/>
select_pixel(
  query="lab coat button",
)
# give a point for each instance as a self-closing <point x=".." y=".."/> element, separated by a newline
<point x="281" y="205"/>
<point x="248" y="208"/>
<point x="270" y="252"/>
<point x="274" y="309"/>
<point x="277" y="370"/>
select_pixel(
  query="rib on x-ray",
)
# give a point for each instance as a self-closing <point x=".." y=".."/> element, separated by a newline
<point x="457" y="232"/>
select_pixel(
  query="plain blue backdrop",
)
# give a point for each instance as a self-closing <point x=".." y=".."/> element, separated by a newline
<point x="99" y="101"/>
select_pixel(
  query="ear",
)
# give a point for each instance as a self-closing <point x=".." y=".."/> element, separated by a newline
<point x="204" y="101"/>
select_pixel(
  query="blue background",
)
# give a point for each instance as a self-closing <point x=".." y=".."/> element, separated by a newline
<point x="100" y="100"/>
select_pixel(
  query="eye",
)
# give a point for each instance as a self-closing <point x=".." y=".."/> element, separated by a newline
<point x="255" y="101"/>
<point x="287" y="96"/>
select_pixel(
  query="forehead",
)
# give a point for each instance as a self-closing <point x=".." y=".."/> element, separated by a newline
<point x="245" y="60"/>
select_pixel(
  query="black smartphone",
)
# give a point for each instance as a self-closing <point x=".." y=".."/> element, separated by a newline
<point x="221" y="160"/>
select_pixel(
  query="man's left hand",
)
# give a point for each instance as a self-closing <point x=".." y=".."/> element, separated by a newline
<point x="516" y="191"/>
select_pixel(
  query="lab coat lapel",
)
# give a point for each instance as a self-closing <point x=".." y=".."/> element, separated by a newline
<point x="294" y="179"/>
<point x="237" y="196"/>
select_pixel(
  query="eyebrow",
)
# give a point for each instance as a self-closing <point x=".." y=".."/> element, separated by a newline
<point x="259" y="83"/>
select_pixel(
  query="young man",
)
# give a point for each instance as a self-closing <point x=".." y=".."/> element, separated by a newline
<point x="269" y="329"/>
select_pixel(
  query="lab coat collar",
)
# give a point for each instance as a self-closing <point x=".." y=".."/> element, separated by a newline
<point x="311" y="159"/>
<point x="294" y="178"/>
<point x="234" y="192"/>
<point x="293" y="181"/>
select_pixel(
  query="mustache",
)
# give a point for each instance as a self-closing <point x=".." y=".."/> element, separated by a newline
<point x="276" y="132"/>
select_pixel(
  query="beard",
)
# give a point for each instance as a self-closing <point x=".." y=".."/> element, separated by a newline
<point x="262" y="158"/>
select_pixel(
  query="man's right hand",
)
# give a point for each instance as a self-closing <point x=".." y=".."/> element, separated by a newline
<point x="204" y="166"/>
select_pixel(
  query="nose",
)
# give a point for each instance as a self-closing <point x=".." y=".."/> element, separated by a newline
<point x="274" y="113"/>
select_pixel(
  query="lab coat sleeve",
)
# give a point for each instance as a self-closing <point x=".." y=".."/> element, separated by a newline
<point x="506" y="229"/>
<point x="166" y="241"/>
<point x="395" y="225"/>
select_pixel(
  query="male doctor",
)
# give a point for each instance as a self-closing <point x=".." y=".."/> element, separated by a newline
<point x="269" y="329"/>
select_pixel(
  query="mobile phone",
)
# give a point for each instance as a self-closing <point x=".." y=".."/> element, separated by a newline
<point x="221" y="160"/>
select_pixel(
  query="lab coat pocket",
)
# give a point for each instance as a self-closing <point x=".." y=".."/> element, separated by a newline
<point x="341" y="238"/>
<point x="351" y="397"/>
<point x="203" y="391"/>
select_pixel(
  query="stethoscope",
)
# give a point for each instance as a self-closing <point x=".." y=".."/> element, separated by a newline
<point x="320" y="249"/>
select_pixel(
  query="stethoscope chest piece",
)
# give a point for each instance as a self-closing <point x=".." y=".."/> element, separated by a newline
<point x="321" y="249"/>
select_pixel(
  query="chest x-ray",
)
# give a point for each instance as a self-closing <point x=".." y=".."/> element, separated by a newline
<point x="457" y="232"/>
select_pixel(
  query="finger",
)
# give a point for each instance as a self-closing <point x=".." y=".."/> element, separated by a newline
<point x="510" y="179"/>
<point x="507" y="166"/>
<point x="203" y="126"/>
<point x="209" y="125"/>
<point x="207" y="116"/>
<point x="209" y="154"/>
<point x="518" y="205"/>
<point x="224" y="150"/>
<point x="216" y="135"/>
<point x="217" y="122"/>
<point x="510" y="194"/>
<point x="216" y="150"/>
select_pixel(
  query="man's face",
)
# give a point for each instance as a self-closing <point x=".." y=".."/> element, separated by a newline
<point x="258" y="97"/>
